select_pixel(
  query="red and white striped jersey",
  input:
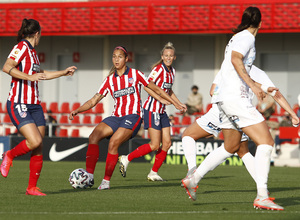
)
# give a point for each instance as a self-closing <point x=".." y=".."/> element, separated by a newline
<point x="126" y="91"/>
<point x="163" y="78"/>
<point x="24" y="91"/>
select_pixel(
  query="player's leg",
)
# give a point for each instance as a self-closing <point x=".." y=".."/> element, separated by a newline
<point x="261" y="136"/>
<point x="247" y="158"/>
<point x="35" y="166"/>
<point x="211" y="161"/>
<point x="161" y="154"/>
<point x="101" y="131"/>
<point x="32" y="140"/>
<point x="153" y="123"/>
<point x="119" y="137"/>
<point x="192" y="133"/>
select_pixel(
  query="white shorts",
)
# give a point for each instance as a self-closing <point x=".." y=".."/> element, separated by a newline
<point x="237" y="114"/>
<point x="210" y="122"/>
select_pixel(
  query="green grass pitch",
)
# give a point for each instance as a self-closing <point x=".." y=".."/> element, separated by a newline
<point x="225" y="193"/>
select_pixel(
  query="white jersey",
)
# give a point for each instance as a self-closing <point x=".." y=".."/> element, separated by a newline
<point x="210" y="121"/>
<point x="233" y="87"/>
<point x="217" y="81"/>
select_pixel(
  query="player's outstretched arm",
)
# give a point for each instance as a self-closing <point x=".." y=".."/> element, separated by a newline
<point x="87" y="105"/>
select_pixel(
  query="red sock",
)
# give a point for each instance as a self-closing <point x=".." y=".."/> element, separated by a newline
<point x="35" y="166"/>
<point x="19" y="150"/>
<point x="140" y="151"/>
<point x="111" y="161"/>
<point x="159" y="159"/>
<point x="92" y="156"/>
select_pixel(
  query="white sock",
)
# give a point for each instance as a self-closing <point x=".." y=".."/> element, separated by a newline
<point x="212" y="160"/>
<point x="248" y="160"/>
<point x="262" y="168"/>
<point x="189" y="149"/>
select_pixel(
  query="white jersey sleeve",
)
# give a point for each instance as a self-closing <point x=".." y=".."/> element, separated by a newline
<point x="243" y="43"/>
<point x="260" y="76"/>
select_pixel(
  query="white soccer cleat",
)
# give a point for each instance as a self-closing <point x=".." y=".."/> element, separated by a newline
<point x="123" y="164"/>
<point x="104" y="185"/>
<point x="266" y="203"/>
<point x="190" y="187"/>
<point x="153" y="176"/>
<point x="189" y="174"/>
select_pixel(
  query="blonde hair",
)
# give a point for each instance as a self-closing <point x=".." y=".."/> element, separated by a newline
<point x="170" y="46"/>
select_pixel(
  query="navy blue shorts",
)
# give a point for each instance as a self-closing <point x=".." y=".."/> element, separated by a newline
<point x="156" y="120"/>
<point x="132" y="122"/>
<point x="22" y="114"/>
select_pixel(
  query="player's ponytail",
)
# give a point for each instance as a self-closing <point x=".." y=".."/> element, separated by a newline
<point x="251" y="18"/>
<point x="28" y="28"/>
<point x="169" y="45"/>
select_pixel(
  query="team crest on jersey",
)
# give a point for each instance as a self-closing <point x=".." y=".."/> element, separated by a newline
<point x="131" y="80"/>
<point x="23" y="114"/>
<point x="122" y="92"/>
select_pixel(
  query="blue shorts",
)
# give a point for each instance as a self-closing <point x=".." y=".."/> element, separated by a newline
<point x="22" y="114"/>
<point x="132" y="122"/>
<point x="156" y="120"/>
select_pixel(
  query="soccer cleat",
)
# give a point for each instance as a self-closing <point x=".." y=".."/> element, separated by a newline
<point x="91" y="180"/>
<point x="190" y="187"/>
<point x="267" y="203"/>
<point x="189" y="174"/>
<point x="104" y="185"/>
<point x="153" y="176"/>
<point x="6" y="164"/>
<point x="123" y="165"/>
<point x="34" y="191"/>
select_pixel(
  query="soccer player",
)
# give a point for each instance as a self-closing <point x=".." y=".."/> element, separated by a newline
<point x="236" y="110"/>
<point x="209" y="124"/>
<point x="156" y="119"/>
<point x="123" y="83"/>
<point x="23" y="104"/>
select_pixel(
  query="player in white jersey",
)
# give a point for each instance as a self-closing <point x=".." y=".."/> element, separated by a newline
<point x="209" y="124"/>
<point x="238" y="112"/>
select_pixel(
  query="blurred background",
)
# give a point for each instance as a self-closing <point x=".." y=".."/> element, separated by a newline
<point x="84" y="33"/>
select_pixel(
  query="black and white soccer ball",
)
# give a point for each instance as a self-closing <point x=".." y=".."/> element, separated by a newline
<point x="79" y="179"/>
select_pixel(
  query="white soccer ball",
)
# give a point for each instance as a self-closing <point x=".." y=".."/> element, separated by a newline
<point x="79" y="178"/>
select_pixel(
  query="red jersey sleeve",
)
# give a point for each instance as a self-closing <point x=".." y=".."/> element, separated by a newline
<point x="18" y="52"/>
<point x="103" y="90"/>
<point x="142" y="79"/>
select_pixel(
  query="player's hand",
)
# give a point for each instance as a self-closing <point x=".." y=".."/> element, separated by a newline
<point x="70" y="71"/>
<point x="184" y="108"/>
<point x="72" y="114"/>
<point x="260" y="94"/>
<point x="179" y="107"/>
<point x="165" y="102"/>
<point x="295" y="121"/>
<point x="37" y="77"/>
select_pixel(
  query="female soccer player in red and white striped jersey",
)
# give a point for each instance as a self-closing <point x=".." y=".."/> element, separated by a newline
<point x="156" y="119"/>
<point x="123" y="83"/>
<point x="23" y="104"/>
